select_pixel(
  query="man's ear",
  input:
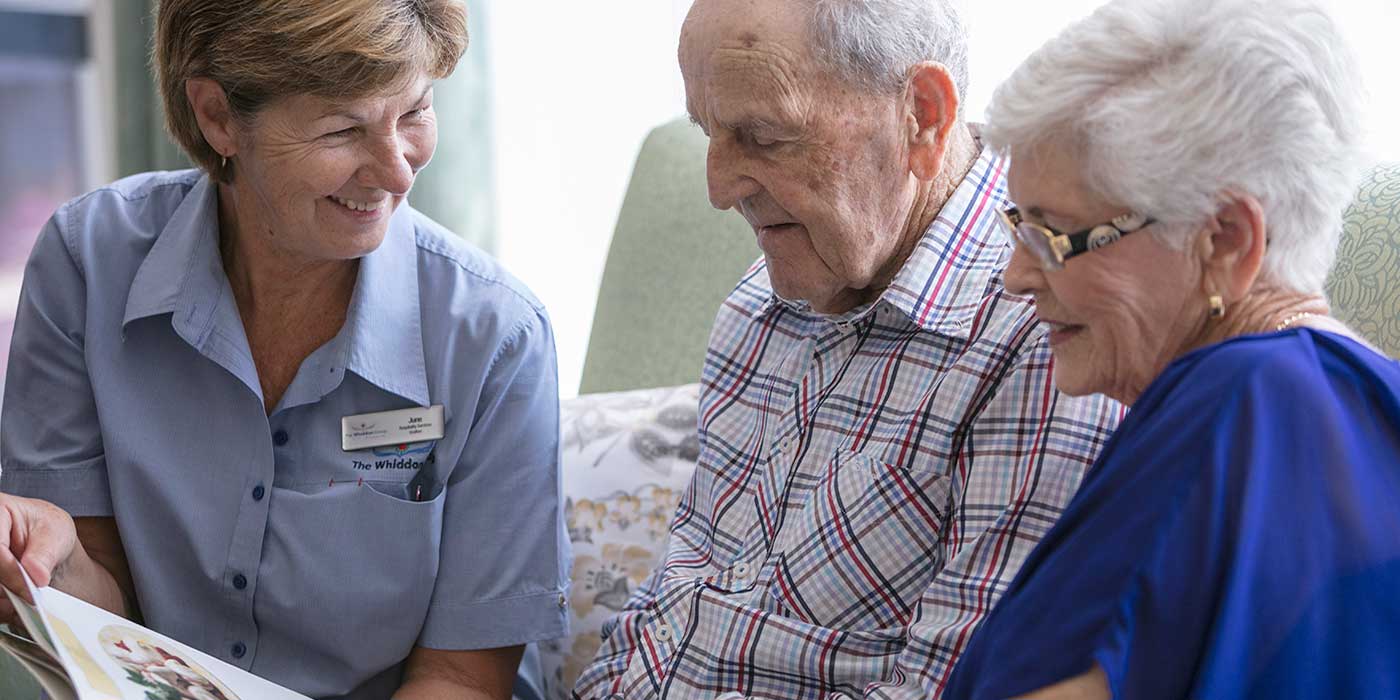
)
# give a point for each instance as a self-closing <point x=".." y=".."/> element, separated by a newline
<point x="212" y="113"/>
<point x="932" y="110"/>
<point x="1233" y="247"/>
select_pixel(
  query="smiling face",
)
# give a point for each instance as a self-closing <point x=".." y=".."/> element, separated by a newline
<point x="818" y="167"/>
<point x="1117" y="315"/>
<point x="321" y="177"/>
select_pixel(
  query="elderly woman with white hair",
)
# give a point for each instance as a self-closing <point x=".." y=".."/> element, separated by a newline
<point x="1179" y="168"/>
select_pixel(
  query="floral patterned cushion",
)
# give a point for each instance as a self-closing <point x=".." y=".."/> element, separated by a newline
<point x="627" y="457"/>
<point x="1364" y="288"/>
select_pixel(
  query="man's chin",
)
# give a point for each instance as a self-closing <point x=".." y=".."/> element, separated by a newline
<point x="820" y="298"/>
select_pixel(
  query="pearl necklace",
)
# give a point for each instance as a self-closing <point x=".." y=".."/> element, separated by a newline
<point x="1287" y="322"/>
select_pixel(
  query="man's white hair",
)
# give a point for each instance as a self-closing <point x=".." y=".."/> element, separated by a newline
<point x="874" y="43"/>
<point x="1173" y="102"/>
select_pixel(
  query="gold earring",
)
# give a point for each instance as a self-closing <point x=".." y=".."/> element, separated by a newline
<point x="1217" y="306"/>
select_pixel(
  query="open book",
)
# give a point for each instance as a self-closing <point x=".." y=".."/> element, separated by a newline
<point x="78" y="651"/>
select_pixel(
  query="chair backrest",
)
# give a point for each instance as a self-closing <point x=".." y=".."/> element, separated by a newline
<point x="1364" y="288"/>
<point x="672" y="261"/>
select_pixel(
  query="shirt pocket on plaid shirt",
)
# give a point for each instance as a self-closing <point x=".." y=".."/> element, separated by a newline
<point x="864" y="548"/>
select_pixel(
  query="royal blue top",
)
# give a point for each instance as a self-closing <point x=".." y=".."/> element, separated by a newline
<point x="256" y="538"/>
<point x="1239" y="537"/>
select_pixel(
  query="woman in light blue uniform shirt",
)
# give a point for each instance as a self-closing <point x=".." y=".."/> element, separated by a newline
<point x="193" y="430"/>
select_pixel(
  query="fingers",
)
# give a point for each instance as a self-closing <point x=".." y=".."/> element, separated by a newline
<point x="39" y="537"/>
<point x="5" y="523"/>
<point x="39" y="565"/>
<point x="8" y="616"/>
<point x="48" y="542"/>
<point x="9" y="566"/>
<point x="10" y="576"/>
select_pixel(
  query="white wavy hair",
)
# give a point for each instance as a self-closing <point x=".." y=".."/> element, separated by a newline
<point x="874" y="43"/>
<point x="1173" y="102"/>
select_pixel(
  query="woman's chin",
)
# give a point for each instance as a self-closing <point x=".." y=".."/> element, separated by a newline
<point x="1072" y="380"/>
<point x="340" y="243"/>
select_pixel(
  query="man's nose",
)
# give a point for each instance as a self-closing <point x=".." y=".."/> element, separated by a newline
<point x="727" y="173"/>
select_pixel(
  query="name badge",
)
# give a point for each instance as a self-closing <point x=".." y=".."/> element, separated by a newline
<point x="391" y="428"/>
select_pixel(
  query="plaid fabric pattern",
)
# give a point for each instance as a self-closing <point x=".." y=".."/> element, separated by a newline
<point x="868" y="483"/>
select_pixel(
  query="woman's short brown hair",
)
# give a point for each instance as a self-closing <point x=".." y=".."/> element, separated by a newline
<point x="262" y="50"/>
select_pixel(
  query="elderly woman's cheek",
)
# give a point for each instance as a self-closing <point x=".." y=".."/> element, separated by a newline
<point x="1142" y="329"/>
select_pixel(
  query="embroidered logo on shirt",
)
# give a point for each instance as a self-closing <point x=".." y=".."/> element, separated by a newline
<point x="404" y="457"/>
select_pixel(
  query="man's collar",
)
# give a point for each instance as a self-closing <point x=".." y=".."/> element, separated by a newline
<point x="382" y="339"/>
<point x="942" y="284"/>
<point x="944" y="281"/>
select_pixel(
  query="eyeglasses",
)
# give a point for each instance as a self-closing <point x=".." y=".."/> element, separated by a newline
<point x="1052" y="248"/>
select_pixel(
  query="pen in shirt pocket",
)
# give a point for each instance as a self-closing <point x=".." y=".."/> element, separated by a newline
<point x="424" y="486"/>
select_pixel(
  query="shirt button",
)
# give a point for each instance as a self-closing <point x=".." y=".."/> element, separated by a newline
<point x="563" y="601"/>
<point x="741" y="571"/>
<point x="663" y="633"/>
<point x="259" y="492"/>
<point x="280" y="438"/>
<point x="239" y="650"/>
<point x="240" y="581"/>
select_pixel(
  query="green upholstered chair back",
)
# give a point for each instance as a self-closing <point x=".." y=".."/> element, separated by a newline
<point x="672" y="261"/>
<point x="1364" y="288"/>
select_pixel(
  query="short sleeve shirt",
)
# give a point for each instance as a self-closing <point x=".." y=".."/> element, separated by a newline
<point x="132" y="393"/>
<point x="1238" y="538"/>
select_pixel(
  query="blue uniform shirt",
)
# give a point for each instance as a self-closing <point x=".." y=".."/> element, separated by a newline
<point x="132" y="393"/>
<point x="1238" y="538"/>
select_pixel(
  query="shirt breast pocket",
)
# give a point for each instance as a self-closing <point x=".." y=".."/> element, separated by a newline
<point x="388" y="470"/>
<point x="864" y="548"/>
<point x="350" y="562"/>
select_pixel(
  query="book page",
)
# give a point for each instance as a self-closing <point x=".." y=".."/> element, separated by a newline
<point x="30" y="618"/>
<point x="40" y="665"/>
<point x="23" y="647"/>
<point x="108" y="657"/>
<point x="87" y="681"/>
<point x="113" y="652"/>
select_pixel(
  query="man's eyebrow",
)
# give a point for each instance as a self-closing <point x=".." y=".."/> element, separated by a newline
<point x="754" y="123"/>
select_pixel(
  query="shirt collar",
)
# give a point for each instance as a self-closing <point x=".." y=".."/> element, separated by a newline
<point x="385" y="323"/>
<point x="942" y="284"/>
<point x="184" y="260"/>
<point x="382" y="340"/>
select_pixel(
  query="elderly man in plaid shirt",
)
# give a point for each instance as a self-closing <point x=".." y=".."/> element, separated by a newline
<point x="881" y="441"/>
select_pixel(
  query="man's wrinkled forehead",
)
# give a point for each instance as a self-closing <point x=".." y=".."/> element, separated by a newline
<point x="758" y="47"/>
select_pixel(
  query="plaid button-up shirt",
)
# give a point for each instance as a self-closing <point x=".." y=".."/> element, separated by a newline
<point x="868" y="483"/>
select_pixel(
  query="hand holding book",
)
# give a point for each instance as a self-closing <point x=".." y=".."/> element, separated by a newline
<point x="36" y="536"/>
<point x="82" y="652"/>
